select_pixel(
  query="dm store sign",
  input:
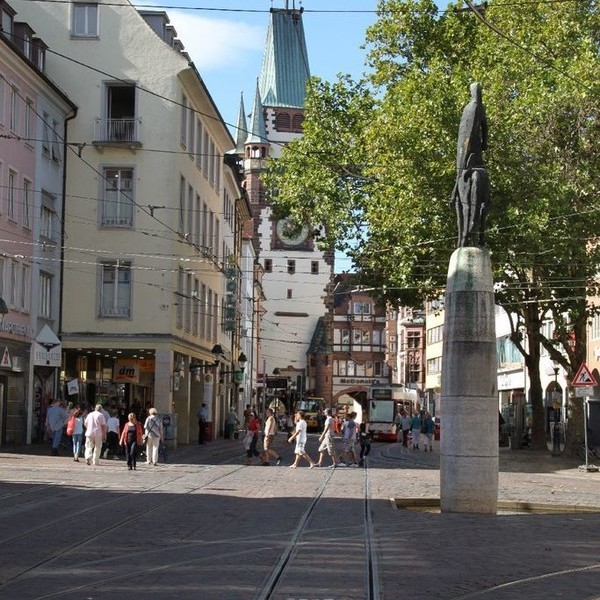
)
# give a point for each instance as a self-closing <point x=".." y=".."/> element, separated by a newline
<point x="127" y="371"/>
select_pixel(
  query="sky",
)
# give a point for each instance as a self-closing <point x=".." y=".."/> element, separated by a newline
<point x="226" y="44"/>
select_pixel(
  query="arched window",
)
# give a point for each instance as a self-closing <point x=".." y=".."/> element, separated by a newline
<point x="283" y="122"/>
<point x="297" y="122"/>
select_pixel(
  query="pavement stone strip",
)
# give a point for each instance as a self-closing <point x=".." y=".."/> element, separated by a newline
<point x="205" y="526"/>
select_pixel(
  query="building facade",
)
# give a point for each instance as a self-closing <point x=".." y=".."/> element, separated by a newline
<point x="34" y="113"/>
<point x="152" y="218"/>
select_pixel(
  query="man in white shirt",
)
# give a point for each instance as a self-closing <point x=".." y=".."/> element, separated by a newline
<point x="95" y="434"/>
<point x="300" y="436"/>
<point x="326" y="440"/>
<point x="270" y="433"/>
<point x="56" y="419"/>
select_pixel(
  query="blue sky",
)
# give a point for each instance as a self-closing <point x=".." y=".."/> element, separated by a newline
<point x="227" y="45"/>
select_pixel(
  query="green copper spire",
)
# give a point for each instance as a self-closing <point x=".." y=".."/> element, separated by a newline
<point x="285" y="71"/>
<point x="258" y="132"/>
<point x="242" y="128"/>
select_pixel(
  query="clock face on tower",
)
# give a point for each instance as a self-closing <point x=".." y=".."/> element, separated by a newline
<point x="291" y="234"/>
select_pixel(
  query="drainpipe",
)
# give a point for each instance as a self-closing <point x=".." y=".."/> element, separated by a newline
<point x="62" y="228"/>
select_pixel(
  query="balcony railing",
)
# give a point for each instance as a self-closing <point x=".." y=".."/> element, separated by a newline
<point x="117" y="131"/>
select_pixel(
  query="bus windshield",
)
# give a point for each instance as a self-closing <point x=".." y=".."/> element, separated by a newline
<point x="381" y="411"/>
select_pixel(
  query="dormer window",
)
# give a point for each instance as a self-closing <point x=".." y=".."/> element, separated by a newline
<point x="8" y="14"/>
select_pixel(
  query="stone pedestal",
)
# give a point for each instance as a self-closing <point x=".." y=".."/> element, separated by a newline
<point x="469" y="406"/>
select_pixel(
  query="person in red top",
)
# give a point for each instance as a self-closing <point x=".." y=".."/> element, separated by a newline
<point x="131" y="438"/>
<point x="252" y="433"/>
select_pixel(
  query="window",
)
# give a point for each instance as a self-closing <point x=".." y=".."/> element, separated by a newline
<point x="46" y="134"/>
<point x="10" y="204"/>
<point x="117" y="200"/>
<point x="297" y="123"/>
<point x="115" y="292"/>
<point x="188" y="302"/>
<point x="48" y="217"/>
<point x="180" y="293"/>
<point x="14" y="109"/>
<point x="195" y="306"/>
<point x="2" y="262"/>
<point x="314" y="267"/>
<point x="199" y="144"/>
<point x="24" y="291"/>
<point x="190" y="214"/>
<point x="268" y="265"/>
<point x="283" y="121"/>
<point x="289" y="294"/>
<point x="14" y="283"/>
<point x="29" y="131"/>
<point x="2" y="91"/>
<point x="413" y="339"/>
<point x="184" y="119"/>
<point x="595" y="330"/>
<point x="362" y="308"/>
<point x="26" y="203"/>
<point x="434" y="365"/>
<point x="55" y="144"/>
<point x="45" y="295"/>
<point x="181" y="222"/>
<point x="85" y="20"/>
<point x="291" y="268"/>
<point x="205" y="309"/>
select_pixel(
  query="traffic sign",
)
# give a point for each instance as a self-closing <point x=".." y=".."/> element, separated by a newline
<point x="584" y="377"/>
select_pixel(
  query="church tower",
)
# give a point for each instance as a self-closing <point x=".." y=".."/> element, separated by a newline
<point x="296" y="272"/>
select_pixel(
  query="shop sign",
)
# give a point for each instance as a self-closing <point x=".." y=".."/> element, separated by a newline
<point x="127" y="371"/>
<point x="146" y="365"/>
<point x="47" y="349"/>
<point x="47" y="357"/>
<point x="358" y="381"/>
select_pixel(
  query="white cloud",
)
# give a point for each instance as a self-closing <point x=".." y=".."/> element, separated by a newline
<point x="217" y="43"/>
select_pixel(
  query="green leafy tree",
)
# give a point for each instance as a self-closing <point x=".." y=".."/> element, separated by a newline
<point x="376" y="165"/>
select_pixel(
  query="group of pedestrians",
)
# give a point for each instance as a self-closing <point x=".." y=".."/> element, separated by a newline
<point x="416" y="429"/>
<point x="103" y="434"/>
<point x="353" y="435"/>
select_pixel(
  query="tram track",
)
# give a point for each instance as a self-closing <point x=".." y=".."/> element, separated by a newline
<point x="82" y="543"/>
<point x="277" y="580"/>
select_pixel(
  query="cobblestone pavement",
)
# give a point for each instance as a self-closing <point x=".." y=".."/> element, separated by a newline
<point x="206" y="526"/>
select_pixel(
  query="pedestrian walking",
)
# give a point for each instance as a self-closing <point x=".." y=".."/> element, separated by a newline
<point x="326" y="445"/>
<point x="364" y="438"/>
<point x="252" y="432"/>
<point x="56" y="419"/>
<point x="415" y="425"/>
<point x="112" y="436"/>
<point x="270" y="433"/>
<point x="95" y="434"/>
<point x="405" y="424"/>
<point x="202" y="420"/>
<point x="398" y="426"/>
<point x="231" y="424"/>
<point x="75" y="430"/>
<point x="131" y="438"/>
<point x="428" y="432"/>
<point x="300" y="436"/>
<point x="153" y="431"/>
<point x="349" y="453"/>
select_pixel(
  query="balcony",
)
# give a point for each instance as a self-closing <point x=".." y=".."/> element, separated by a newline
<point x="122" y="132"/>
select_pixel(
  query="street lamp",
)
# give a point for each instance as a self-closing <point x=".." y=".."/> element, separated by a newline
<point x="196" y="366"/>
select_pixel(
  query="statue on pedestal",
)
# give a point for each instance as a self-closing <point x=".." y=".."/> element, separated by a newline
<point x="471" y="194"/>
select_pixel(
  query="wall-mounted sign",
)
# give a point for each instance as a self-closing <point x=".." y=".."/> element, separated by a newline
<point x="47" y="349"/>
<point x="127" y="371"/>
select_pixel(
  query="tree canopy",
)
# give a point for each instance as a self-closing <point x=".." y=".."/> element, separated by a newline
<point x="375" y="168"/>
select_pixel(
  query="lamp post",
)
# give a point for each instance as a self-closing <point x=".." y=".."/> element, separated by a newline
<point x="556" y="406"/>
